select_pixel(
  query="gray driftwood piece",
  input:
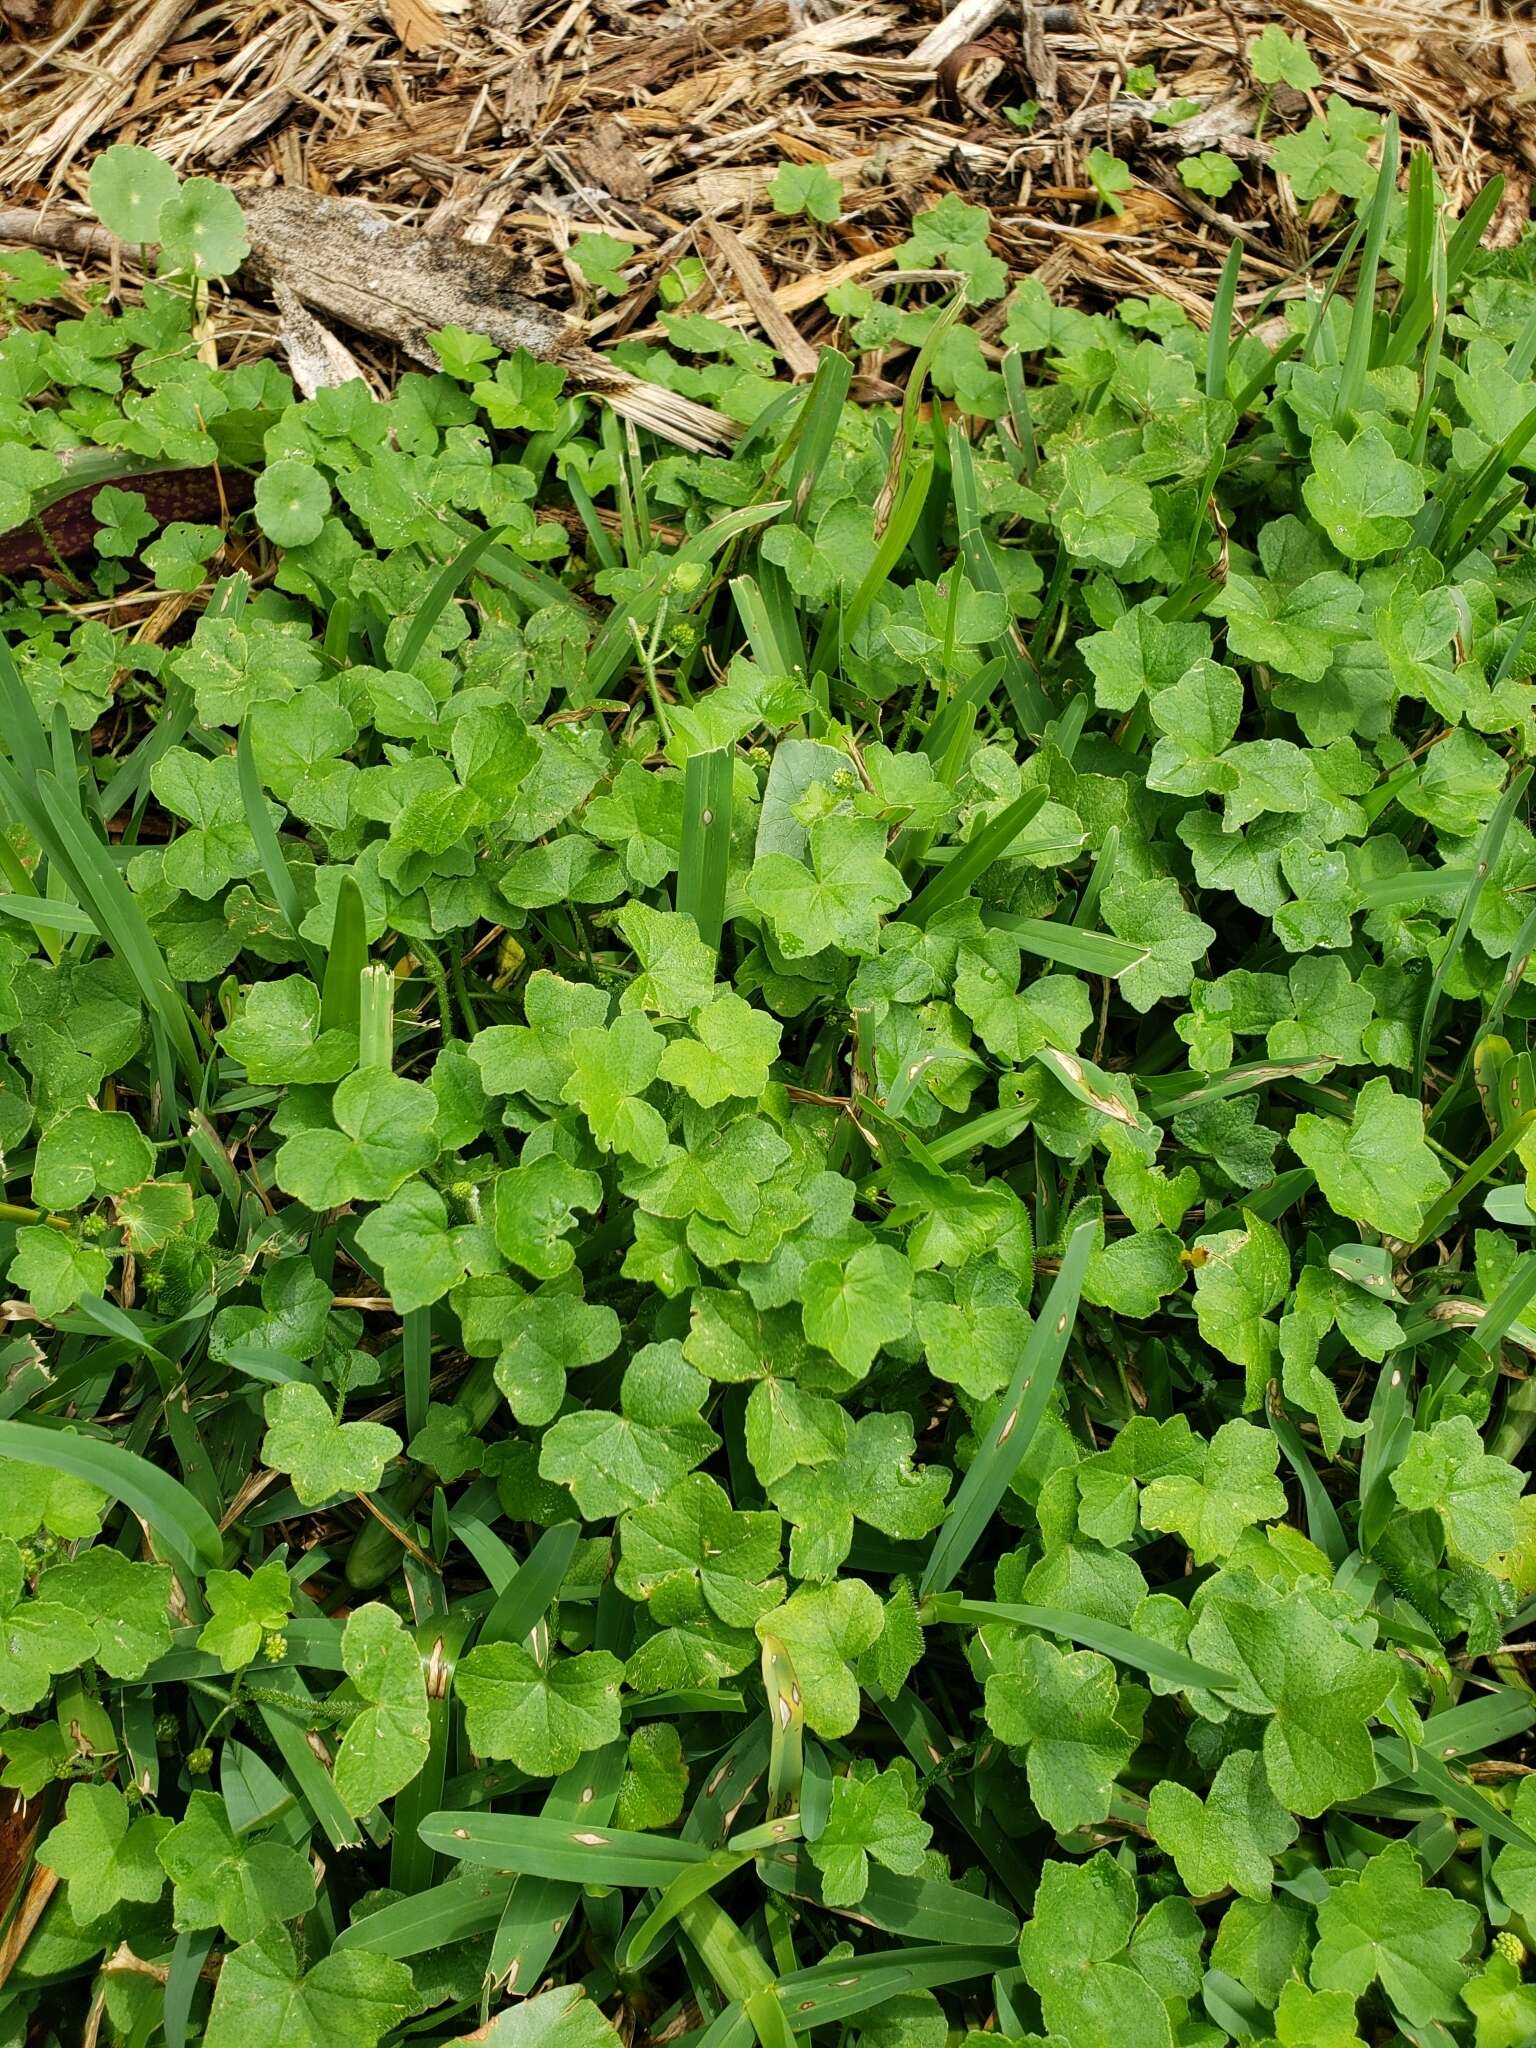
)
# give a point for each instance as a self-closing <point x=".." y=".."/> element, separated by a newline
<point x="346" y="260"/>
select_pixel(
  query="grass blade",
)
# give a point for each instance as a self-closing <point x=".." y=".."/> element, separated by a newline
<point x="786" y="1721"/>
<point x="1168" y="1094"/>
<point x="1391" y="1426"/>
<point x="258" y="821"/>
<point x="597" y="534"/>
<point x="1103" y="867"/>
<point x="706" y="853"/>
<point x="182" y="1524"/>
<point x="14" y="870"/>
<point x="994" y="1128"/>
<point x="538" y="1909"/>
<point x="411" y="1864"/>
<point x="1362" y="323"/>
<point x="929" y="1744"/>
<point x="1122" y="1644"/>
<point x="1089" y="1085"/>
<point x="735" y="1963"/>
<point x="832" y="1992"/>
<point x="1323" y="1524"/>
<point x="758" y="624"/>
<point x="450" y="578"/>
<point x="182" y="1983"/>
<point x="972" y="859"/>
<point x="1419" y="233"/>
<point x="341" y="992"/>
<point x="1514" y="975"/>
<point x="838" y="1990"/>
<point x="948" y="736"/>
<point x="1429" y="366"/>
<point x="289" y="1730"/>
<point x="49" y="914"/>
<point x="1018" y="1417"/>
<point x="416" y="1357"/>
<point x="816" y="427"/>
<point x="25" y="738"/>
<point x="780" y="610"/>
<point x="1507" y="1307"/>
<point x="640" y="1938"/>
<point x="930" y="1909"/>
<point x="1020" y="417"/>
<point x="1030" y="704"/>
<point x="122" y="924"/>
<point x="1067" y="946"/>
<point x="1444" y="522"/>
<point x="1393" y="892"/>
<point x="614" y="647"/>
<point x="376" y="1017"/>
<point x="835" y="631"/>
<point x="524" y="1600"/>
<point x="537" y="1847"/>
<point x="1218" y="343"/>
<point x="921" y="1909"/>
<point x="1412" y="324"/>
<point x="1472" y="1726"/>
<point x="1429" y="1776"/>
<point x="1489" y="848"/>
<point x="766" y="2015"/>
<point x="1259" y="382"/>
<point x="466" y="1905"/>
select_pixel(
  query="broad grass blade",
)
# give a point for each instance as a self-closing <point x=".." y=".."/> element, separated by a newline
<point x="1111" y="1641"/>
<point x="539" y="1847"/>
<point x="1017" y="1419"/>
<point x="706" y="841"/>
<point x="182" y="1524"/>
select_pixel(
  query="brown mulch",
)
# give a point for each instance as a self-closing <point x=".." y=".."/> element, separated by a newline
<point x="528" y="122"/>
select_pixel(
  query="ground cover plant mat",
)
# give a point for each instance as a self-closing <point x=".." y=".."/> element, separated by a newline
<point x="768" y="1214"/>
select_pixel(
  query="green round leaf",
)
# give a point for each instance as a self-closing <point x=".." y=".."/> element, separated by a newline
<point x="202" y="230"/>
<point x="292" y="499"/>
<point x="130" y="189"/>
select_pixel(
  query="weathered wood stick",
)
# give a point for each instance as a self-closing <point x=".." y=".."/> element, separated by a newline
<point x="348" y="261"/>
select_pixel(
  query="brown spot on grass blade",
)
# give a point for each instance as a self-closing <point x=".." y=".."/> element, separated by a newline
<point x="1089" y="1086"/>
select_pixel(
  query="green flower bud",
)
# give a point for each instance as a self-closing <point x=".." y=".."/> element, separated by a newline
<point x="686" y="577"/>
